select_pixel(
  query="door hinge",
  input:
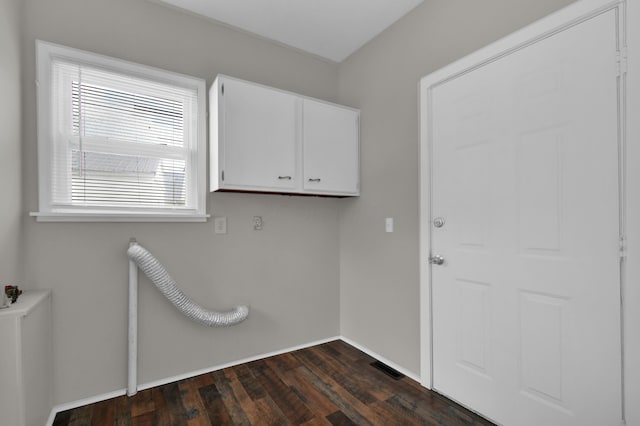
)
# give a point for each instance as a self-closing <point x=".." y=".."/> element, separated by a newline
<point x="222" y="175"/>
<point x="621" y="61"/>
<point x="622" y="247"/>
<point x="222" y="89"/>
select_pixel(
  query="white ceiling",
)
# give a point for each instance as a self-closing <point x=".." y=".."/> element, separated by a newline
<point x="332" y="29"/>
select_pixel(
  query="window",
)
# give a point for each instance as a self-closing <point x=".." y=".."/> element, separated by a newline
<point x="118" y="141"/>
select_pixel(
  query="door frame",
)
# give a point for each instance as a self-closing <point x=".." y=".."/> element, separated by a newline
<point x="629" y="133"/>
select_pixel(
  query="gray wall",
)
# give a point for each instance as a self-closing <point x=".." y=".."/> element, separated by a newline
<point x="379" y="272"/>
<point x="287" y="273"/>
<point x="10" y="146"/>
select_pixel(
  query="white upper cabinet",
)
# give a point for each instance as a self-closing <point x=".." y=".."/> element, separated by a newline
<point x="257" y="137"/>
<point x="269" y="140"/>
<point x="330" y="148"/>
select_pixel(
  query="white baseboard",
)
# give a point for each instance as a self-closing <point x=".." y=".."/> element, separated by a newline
<point x="97" y="398"/>
<point x="103" y="397"/>
<point x="382" y="359"/>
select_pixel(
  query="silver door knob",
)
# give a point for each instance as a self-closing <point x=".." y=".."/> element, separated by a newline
<point x="436" y="260"/>
<point x="438" y="222"/>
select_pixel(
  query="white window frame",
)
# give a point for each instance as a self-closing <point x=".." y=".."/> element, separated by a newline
<point x="48" y="212"/>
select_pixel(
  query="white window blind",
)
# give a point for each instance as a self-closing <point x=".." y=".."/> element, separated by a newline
<point x="120" y="142"/>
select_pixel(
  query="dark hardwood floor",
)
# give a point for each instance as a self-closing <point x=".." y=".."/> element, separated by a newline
<point x="329" y="384"/>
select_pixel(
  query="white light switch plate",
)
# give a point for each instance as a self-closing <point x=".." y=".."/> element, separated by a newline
<point x="388" y="224"/>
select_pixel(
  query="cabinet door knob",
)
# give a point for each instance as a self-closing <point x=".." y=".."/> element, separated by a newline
<point x="284" y="177"/>
<point x="314" y="180"/>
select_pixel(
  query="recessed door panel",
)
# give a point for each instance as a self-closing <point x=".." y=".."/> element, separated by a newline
<point x="472" y="190"/>
<point x="540" y="191"/>
<point x="542" y="337"/>
<point x="474" y="325"/>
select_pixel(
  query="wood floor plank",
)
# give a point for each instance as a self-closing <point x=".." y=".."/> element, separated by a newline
<point x="349" y="351"/>
<point x="317" y="402"/>
<point x="284" y="362"/>
<point x="405" y="386"/>
<point x="328" y="384"/>
<point x="333" y="350"/>
<point x="202" y="380"/>
<point x="216" y="410"/>
<point x="249" y="407"/>
<point x="230" y="401"/>
<point x="353" y="408"/>
<point x="161" y="416"/>
<point x="389" y="386"/>
<point x="363" y="378"/>
<point x="397" y="416"/>
<point x="81" y="416"/>
<point x="195" y="410"/>
<point x="340" y="419"/>
<point x="293" y="407"/>
<point x="249" y="382"/>
<point x="103" y="414"/>
<point x="122" y="410"/>
<point x="262" y="411"/>
<point x="145" y="419"/>
<point x="417" y="408"/>
<point x="268" y="412"/>
<point x="142" y="403"/>
<point x="457" y="415"/>
<point x="330" y="368"/>
<point x="317" y="421"/>
<point x="273" y="415"/>
<point x="173" y="398"/>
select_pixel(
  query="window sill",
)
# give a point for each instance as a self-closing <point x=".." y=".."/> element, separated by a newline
<point x="117" y="217"/>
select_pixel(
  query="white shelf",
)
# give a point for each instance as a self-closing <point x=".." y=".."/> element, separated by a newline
<point x="26" y="367"/>
<point x="26" y="303"/>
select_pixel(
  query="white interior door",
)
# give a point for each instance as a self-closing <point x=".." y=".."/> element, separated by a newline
<point x="526" y="307"/>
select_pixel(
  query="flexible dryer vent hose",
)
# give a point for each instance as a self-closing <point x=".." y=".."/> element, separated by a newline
<point x="168" y="287"/>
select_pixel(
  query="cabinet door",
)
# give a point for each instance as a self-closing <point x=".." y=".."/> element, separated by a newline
<point x="258" y="140"/>
<point x="331" y="149"/>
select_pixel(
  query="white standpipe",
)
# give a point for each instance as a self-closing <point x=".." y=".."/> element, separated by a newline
<point x="153" y="269"/>
<point x="132" y="387"/>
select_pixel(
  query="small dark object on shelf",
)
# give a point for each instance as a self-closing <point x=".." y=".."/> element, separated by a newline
<point x="12" y="292"/>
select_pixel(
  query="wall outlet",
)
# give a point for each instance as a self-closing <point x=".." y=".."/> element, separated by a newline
<point x="220" y="224"/>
